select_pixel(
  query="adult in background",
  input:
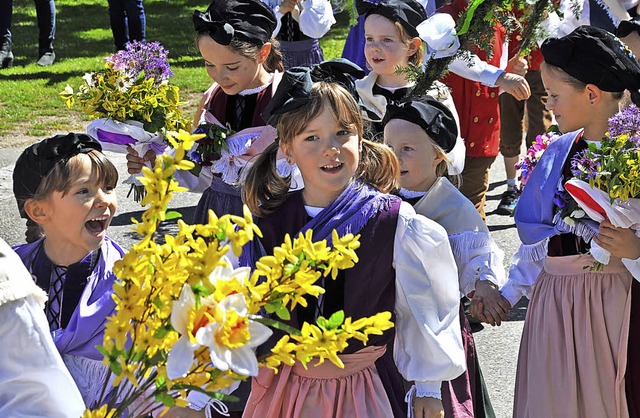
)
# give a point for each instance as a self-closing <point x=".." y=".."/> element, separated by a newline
<point x="46" y="15"/>
<point x="127" y="21"/>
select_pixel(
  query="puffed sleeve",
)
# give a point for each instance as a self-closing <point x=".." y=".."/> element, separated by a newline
<point x="316" y="18"/>
<point x="428" y="346"/>
<point x="33" y="379"/>
<point x="478" y="257"/>
<point x="479" y="70"/>
<point x="526" y="265"/>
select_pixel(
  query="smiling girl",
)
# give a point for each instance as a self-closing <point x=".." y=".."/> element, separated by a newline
<point x="64" y="187"/>
<point x="406" y="263"/>
<point x="234" y="40"/>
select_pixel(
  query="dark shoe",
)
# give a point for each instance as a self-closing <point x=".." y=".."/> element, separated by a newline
<point x="46" y="59"/>
<point x="6" y="56"/>
<point x="508" y="202"/>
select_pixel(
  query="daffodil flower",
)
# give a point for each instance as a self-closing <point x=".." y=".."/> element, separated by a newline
<point x="232" y="337"/>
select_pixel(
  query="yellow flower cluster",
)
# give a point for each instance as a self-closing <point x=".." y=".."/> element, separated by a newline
<point x="186" y="320"/>
<point x="326" y="340"/>
<point x="111" y="94"/>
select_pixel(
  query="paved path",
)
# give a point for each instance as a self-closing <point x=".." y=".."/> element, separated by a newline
<point x="498" y="347"/>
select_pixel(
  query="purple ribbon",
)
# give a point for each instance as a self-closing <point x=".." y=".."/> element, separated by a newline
<point x="121" y="139"/>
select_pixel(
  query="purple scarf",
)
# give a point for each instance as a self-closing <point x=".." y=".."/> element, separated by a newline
<point x="349" y="213"/>
<point x="85" y="329"/>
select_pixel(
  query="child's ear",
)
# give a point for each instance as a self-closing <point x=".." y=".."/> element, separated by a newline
<point x="414" y="46"/>
<point x="286" y="150"/>
<point x="594" y="93"/>
<point x="264" y="53"/>
<point x="37" y="210"/>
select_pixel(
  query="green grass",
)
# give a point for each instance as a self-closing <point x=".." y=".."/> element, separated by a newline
<point x="29" y="101"/>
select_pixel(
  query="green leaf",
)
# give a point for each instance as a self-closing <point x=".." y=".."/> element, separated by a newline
<point x="165" y="399"/>
<point x="322" y="322"/>
<point x="283" y="312"/>
<point x="336" y="319"/>
<point x="172" y="215"/>
<point x="275" y="324"/>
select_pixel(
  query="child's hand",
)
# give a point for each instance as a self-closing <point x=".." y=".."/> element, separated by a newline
<point x="518" y="65"/>
<point x="620" y="242"/>
<point x="287" y="6"/>
<point x="177" y="412"/>
<point x="515" y="85"/>
<point x="135" y="163"/>
<point x="428" y="408"/>
<point x="488" y="304"/>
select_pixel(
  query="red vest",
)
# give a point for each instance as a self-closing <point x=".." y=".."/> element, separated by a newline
<point x="477" y="104"/>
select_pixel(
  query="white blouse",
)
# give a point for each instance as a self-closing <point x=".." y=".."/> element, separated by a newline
<point x="33" y="379"/>
<point x="428" y="345"/>
<point x="315" y="17"/>
<point x="477" y="255"/>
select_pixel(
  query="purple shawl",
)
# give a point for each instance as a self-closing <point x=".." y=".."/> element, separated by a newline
<point x="535" y="210"/>
<point x="349" y="213"/>
<point x="85" y="329"/>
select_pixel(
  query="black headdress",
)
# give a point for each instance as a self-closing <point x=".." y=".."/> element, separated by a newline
<point x="247" y="20"/>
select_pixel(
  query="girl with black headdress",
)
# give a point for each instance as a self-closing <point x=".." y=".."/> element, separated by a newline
<point x="578" y="354"/>
<point x="235" y="41"/>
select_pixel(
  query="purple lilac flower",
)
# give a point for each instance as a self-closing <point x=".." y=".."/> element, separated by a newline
<point x="625" y="122"/>
<point x="584" y="165"/>
<point x="147" y="59"/>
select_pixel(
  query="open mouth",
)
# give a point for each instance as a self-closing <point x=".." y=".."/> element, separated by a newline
<point x="96" y="225"/>
<point x="403" y="172"/>
<point x="332" y="168"/>
<point x="377" y="60"/>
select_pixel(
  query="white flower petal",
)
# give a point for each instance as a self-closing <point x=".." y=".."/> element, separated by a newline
<point x="180" y="358"/>
<point x="236" y="302"/>
<point x="243" y="361"/>
<point x="181" y="308"/>
<point x="259" y="333"/>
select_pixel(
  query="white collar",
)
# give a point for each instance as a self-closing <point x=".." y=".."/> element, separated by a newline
<point x="410" y="194"/>
<point x="249" y="92"/>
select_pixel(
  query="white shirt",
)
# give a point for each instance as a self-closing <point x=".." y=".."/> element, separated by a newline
<point x="315" y="17"/>
<point x="428" y="346"/>
<point x="33" y="379"/>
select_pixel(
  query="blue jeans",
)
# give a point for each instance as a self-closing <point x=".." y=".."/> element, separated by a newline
<point x="127" y="21"/>
<point x="46" y="13"/>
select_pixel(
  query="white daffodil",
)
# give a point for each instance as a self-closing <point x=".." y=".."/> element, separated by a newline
<point x="228" y="280"/>
<point x="181" y="356"/>
<point x="232" y="337"/>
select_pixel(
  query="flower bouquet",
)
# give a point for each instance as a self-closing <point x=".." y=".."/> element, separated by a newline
<point x="186" y="321"/>
<point x="132" y="101"/>
<point x="606" y="183"/>
<point x="528" y="162"/>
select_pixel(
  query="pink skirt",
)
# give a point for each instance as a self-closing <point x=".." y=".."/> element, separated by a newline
<point x="324" y="391"/>
<point x="573" y="352"/>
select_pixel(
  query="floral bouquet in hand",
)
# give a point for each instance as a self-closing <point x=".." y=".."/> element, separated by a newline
<point x="186" y="320"/>
<point x="132" y="101"/>
<point x="606" y="183"/>
<point x="528" y="162"/>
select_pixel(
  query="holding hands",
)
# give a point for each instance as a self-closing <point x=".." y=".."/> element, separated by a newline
<point x="488" y="304"/>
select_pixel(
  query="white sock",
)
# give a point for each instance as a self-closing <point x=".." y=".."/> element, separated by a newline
<point x="512" y="184"/>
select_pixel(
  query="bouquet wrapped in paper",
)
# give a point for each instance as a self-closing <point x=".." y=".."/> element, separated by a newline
<point x="132" y="101"/>
<point x="606" y="183"/>
<point x="186" y="320"/>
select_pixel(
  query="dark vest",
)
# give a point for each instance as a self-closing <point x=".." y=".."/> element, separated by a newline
<point x="364" y="290"/>
<point x="223" y="107"/>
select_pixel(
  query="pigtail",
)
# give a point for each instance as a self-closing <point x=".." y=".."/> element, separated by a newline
<point x="379" y="166"/>
<point x="33" y="232"/>
<point x="264" y="190"/>
<point x="274" y="61"/>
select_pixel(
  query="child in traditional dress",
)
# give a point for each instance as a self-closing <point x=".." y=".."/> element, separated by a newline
<point x="234" y="39"/>
<point x="394" y="34"/>
<point x="405" y="267"/>
<point x="578" y="354"/>
<point x="422" y="133"/>
<point x="301" y="23"/>
<point x="64" y="187"/>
